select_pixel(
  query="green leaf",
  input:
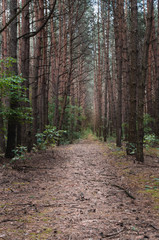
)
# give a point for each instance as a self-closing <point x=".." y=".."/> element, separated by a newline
<point x="148" y="187"/>
<point x="157" y="179"/>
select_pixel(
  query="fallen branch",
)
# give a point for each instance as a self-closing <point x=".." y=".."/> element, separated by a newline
<point x="29" y="168"/>
<point x="157" y="229"/>
<point x="8" y="220"/>
<point x="112" y="234"/>
<point x="127" y="193"/>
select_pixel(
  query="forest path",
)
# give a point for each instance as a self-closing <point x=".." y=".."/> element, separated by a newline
<point x="69" y="195"/>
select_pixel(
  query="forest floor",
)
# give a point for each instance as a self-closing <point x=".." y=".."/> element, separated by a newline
<point x="84" y="191"/>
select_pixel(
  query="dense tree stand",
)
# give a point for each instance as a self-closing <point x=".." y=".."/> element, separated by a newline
<point x="73" y="193"/>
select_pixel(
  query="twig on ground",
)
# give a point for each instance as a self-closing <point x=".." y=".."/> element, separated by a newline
<point x="8" y="220"/>
<point x="127" y="193"/>
<point x="112" y="234"/>
<point x="157" y="229"/>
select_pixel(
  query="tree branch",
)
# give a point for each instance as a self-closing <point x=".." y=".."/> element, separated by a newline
<point x="32" y="34"/>
<point x="12" y="19"/>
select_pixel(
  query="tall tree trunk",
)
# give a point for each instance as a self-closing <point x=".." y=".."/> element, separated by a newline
<point x="25" y="54"/>
<point x="2" y="139"/>
<point x="69" y="77"/>
<point x="99" y="80"/>
<point x="57" y="42"/>
<point x="35" y="78"/>
<point x="12" y="123"/>
<point x="132" y="137"/>
<point x="141" y="86"/>
<point x="4" y="33"/>
<point x="4" y="55"/>
<point x="118" y="28"/>
<point x="43" y="99"/>
<point x="157" y="82"/>
<point x="106" y="56"/>
<point x="126" y="71"/>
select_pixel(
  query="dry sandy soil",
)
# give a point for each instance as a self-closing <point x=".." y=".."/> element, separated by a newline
<point x="76" y="192"/>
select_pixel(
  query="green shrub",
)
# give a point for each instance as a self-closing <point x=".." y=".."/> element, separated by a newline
<point x="19" y="154"/>
<point x="150" y="140"/>
<point x="148" y="121"/>
<point x="12" y="87"/>
<point x="49" y="137"/>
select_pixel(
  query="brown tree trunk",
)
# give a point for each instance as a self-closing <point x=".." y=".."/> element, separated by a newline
<point x="141" y="86"/>
<point x="12" y="123"/>
<point x="118" y="26"/>
<point x="4" y="33"/>
<point x="4" y="55"/>
<point x="68" y="83"/>
<point x="99" y="80"/>
<point x="57" y="42"/>
<point x="107" y="71"/>
<point x="25" y="55"/>
<point x="132" y="137"/>
<point x="125" y="73"/>
<point x="35" y="77"/>
<point x="149" y="83"/>
<point x="157" y="82"/>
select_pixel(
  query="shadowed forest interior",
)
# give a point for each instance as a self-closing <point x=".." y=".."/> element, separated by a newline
<point x="69" y="66"/>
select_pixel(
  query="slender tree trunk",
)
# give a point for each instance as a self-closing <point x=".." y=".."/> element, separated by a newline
<point x="57" y="43"/>
<point x="132" y="138"/>
<point x="141" y="86"/>
<point x="153" y="59"/>
<point x="4" y="33"/>
<point x="35" y="78"/>
<point x="4" y="55"/>
<point x="99" y="80"/>
<point x="149" y="83"/>
<point x="95" y="91"/>
<point x="126" y="72"/>
<point x="25" y="54"/>
<point x="2" y="139"/>
<point x="68" y="83"/>
<point x="112" y="96"/>
<point x="157" y="82"/>
<point x="12" y="123"/>
<point x="106" y="56"/>
<point x="118" y="27"/>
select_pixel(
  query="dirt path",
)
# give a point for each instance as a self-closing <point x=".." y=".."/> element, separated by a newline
<point x="70" y="195"/>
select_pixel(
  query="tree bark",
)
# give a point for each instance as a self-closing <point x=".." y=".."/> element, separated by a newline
<point x="35" y="77"/>
<point x="4" y="55"/>
<point x="107" y="70"/>
<point x="157" y="83"/>
<point x="99" y="80"/>
<point x="25" y="55"/>
<point x="12" y="123"/>
<point x="132" y="137"/>
<point x="118" y="26"/>
<point x="141" y="86"/>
